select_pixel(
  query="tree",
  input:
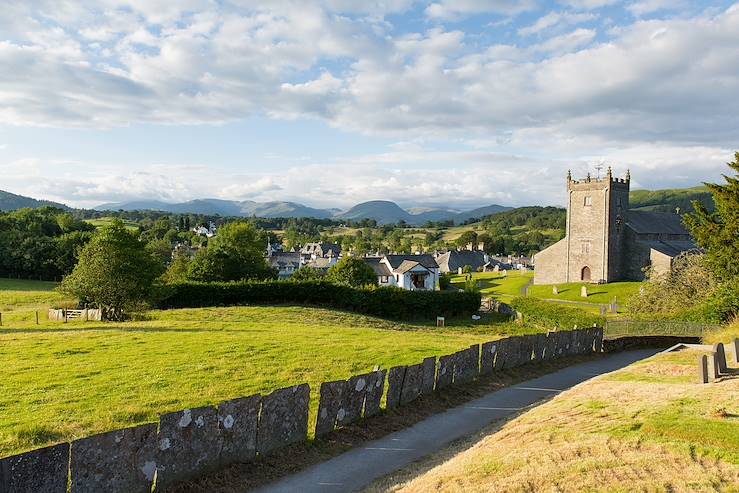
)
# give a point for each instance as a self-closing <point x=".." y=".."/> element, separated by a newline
<point x="115" y="272"/>
<point x="352" y="271"/>
<point x="466" y="238"/>
<point x="236" y="253"/>
<point x="308" y="274"/>
<point x="718" y="232"/>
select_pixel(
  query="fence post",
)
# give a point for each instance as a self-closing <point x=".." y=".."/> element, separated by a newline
<point x="36" y="317"/>
<point x="1" y="319"/>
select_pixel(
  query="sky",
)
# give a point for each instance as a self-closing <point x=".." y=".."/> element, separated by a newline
<point x="454" y="103"/>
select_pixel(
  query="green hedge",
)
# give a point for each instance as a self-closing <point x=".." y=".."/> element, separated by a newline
<point x="553" y="314"/>
<point x="380" y="301"/>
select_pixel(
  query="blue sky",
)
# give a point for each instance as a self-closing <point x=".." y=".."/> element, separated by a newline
<point x="330" y="102"/>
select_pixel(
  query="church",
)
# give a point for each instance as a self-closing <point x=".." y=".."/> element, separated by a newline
<point x="605" y="241"/>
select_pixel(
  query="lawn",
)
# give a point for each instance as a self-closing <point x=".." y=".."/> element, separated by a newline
<point x="21" y="299"/>
<point x="105" y="221"/>
<point x="648" y="427"/>
<point x="597" y="293"/>
<point x="71" y="380"/>
<point x="495" y="284"/>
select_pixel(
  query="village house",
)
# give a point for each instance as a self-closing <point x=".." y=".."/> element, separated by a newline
<point x="605" y="241"/>
<point x="286" y="263"/>
<point x="454" y="260"/>
<point x="411" y="272"/>
<point x="320" y="250"/>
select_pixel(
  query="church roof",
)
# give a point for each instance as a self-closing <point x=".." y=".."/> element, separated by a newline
<point x="671" y="248"/>
<point x="644" y="222"/>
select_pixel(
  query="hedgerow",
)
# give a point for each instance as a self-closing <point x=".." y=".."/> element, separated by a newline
<point x="380" y="301"/>
<point x="551" y="314"/>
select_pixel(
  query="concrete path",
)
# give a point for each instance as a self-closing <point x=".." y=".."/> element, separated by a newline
<point x="358" y="467"/>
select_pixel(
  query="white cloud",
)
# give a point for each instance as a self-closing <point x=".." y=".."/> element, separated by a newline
<point x="553" y="19"/>
<point x="451" y="9"/>
<point x="643" y="7"/>
<point x="588" y="4"/>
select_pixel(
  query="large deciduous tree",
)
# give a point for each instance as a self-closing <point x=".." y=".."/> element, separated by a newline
<point x="352" y="271"/>
<point x="115" y="272"/>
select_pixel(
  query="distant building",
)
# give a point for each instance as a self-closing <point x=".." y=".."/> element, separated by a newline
<point x="286" y="263"/>
<point x="454" y="260"/>
<point x="605" y="241"/>
<point x="320" y="250"/>
<point x="208" y="232"/>
<point x="411" y="272"/>
<point x="321" y="263"/>
<point x="273" y="248"/>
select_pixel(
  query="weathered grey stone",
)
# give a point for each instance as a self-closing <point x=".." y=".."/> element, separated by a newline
<point x="713" y="370"/>
<point x="395" y="378"/>
<point x="375" y="389"/>
<point x="703" y="368"/>
<point x="189" y="444"/>
<point x="467" y="365"/>
<point x="487" y="357"/>
<point x="445" y="373"/>
<point x="284" y="418"/>
<point x="718" y="348"/>
<point x="540" y="342"/>
<point x="330" y="406"/>
<point x="43" y="470"/>
<point x="598" y="347"/>
<point x="501" y="353"/>
<point x="411" y="384"/>
<point x="121" y="461"/>
<point x="237" y="424"/>
<point x="550" y="347"/>
<point x="429" y="375"/>
<point x="354" y="397"/>
<point x="736" y="351"/>
<point x="513" y="355"/>
<point x="527" y="349"/>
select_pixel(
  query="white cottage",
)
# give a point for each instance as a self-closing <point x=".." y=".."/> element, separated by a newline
<point x="411" y="272"/>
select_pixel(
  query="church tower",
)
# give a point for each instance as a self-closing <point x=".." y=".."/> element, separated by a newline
<point x="596" y="213"/>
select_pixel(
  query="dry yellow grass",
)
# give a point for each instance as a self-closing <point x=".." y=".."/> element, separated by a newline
<point x="624" y="432"/>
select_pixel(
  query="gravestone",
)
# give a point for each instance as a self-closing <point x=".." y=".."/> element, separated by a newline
<point x="330" y="406"/>
<point x="284" y="418"/>
<point x="599" y="340"/>
<point x="429" y="375"/>
<point x="527" y="349"/>
<point x="736" y="351"/>
<point x="118" y="461"/>
<point x="394" y="386"/>
<point x="354" y="397"/>
<point x="189" y="444"/>
<point x="445" y="374"/>
<point x="374" y="390"/>
<point x="501" y="353"/>
<point x="237" y="424"/>
<point x="487" y="359"/>
<point x="540" y="344"/>
<point x="703" y="369"/>
<point x="43" y="470"/>
<point x="584" y="291"/>
<point x="467" y="365"/>
<point x="713" y="370"/>
<point x="555" y="291"/>
<point x="411" y="384"/>
<point x="513" y="355"/>
<point x="718" y="348"/>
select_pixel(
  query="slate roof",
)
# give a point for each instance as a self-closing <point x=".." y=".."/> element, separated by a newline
<point x="453" y="260"/>
<point x="425" y="260"/>
<point x="281" y="259"/>
<point x="644" y="222"/>
<point x="321" y="249"/>
<point x="671" y="248"/>
<point x="379" y="267"/>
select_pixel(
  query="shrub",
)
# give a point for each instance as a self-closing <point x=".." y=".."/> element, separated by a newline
<point x="467" y="269"/>
<point x="372" y="300"/>
<point x="470" y="286"/>
<point x="445" y="280"/>
<point x="554" y="315"/>
<point x="352" y="271"/>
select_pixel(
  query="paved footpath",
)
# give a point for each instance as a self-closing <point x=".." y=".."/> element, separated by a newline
<point x="358" y="467"/>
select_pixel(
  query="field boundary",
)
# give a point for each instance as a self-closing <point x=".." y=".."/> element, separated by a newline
<point x="192" y="442"/>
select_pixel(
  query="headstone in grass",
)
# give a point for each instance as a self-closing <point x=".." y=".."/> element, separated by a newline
<point x="121" y="460"/>
<point x="375" y="388"/>
<point x="713" y="371"/>
<point x="736" y="351"/>
<point x="44" y="470"/>
<point x="395" y="378"/>
<point x="446" y="371"/>
<point x="584" y="291"/>
<point x="487" y="359"/>
<point x="429" y="375"/>
<point x="718" y="348"/>
<point x="237" y="424"/>
<point x="555" y="291"/>
<point x="188" y="444"/>
<point x="703" y="368"/>
<point x="284" y="418"/>
<point x="411" y="384"/>
<point x="354" y="397"/>
<point x="330" y="406"/>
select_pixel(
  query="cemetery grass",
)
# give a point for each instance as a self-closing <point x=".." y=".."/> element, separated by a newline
<point x="63" y="381"/>
<point x="597" y="293"/>
<point x="648" y="427"/>
<point x="495" y="284"/>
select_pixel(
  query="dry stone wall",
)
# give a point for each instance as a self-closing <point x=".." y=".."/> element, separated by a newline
<point x="192" y="442"/>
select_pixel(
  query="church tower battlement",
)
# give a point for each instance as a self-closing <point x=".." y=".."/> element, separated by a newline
<point x="595" y="218"/>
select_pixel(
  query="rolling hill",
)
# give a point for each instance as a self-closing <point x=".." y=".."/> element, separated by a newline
<point x="10" y="202"/>
<point x="668" y="200"/>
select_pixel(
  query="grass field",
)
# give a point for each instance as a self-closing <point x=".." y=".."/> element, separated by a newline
<point x="597" y="293"/>
<point x="105" y="221"/>
<point x="496" y="284"/>
<point x="20" y="299"/>
<point x="70" y="380"/>
<point x="649" y="427"/>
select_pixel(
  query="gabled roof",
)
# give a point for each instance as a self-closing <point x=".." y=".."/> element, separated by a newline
<point x="671" y="248"/>
<point x="425" y="260"/>
<point x="454" y="259"/>
<point x="379" y="267"/>
<point x="644" y="222"/>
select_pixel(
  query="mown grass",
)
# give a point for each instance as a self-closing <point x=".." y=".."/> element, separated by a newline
<point x="597" y="293"/>
<point x="20" y="300"/>
<point x="106" y="221"/>
<point x="62" y="381"/>
<point x="495" y="284"/>
<point x="633" y="430"/>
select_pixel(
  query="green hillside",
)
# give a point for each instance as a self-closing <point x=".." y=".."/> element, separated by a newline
<point x="10" y="202"/>
<point x="668" y="200"/>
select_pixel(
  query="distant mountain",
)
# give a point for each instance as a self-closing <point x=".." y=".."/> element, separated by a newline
<point x="668" y="200"/>
<point x="213" y="207"/>
<point x="10" y="202"/>
<point x="481" y="212"/>
<point x="385" y="212"/>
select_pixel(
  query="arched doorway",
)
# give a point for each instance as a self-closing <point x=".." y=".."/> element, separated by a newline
<point x="585" y="274"/>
